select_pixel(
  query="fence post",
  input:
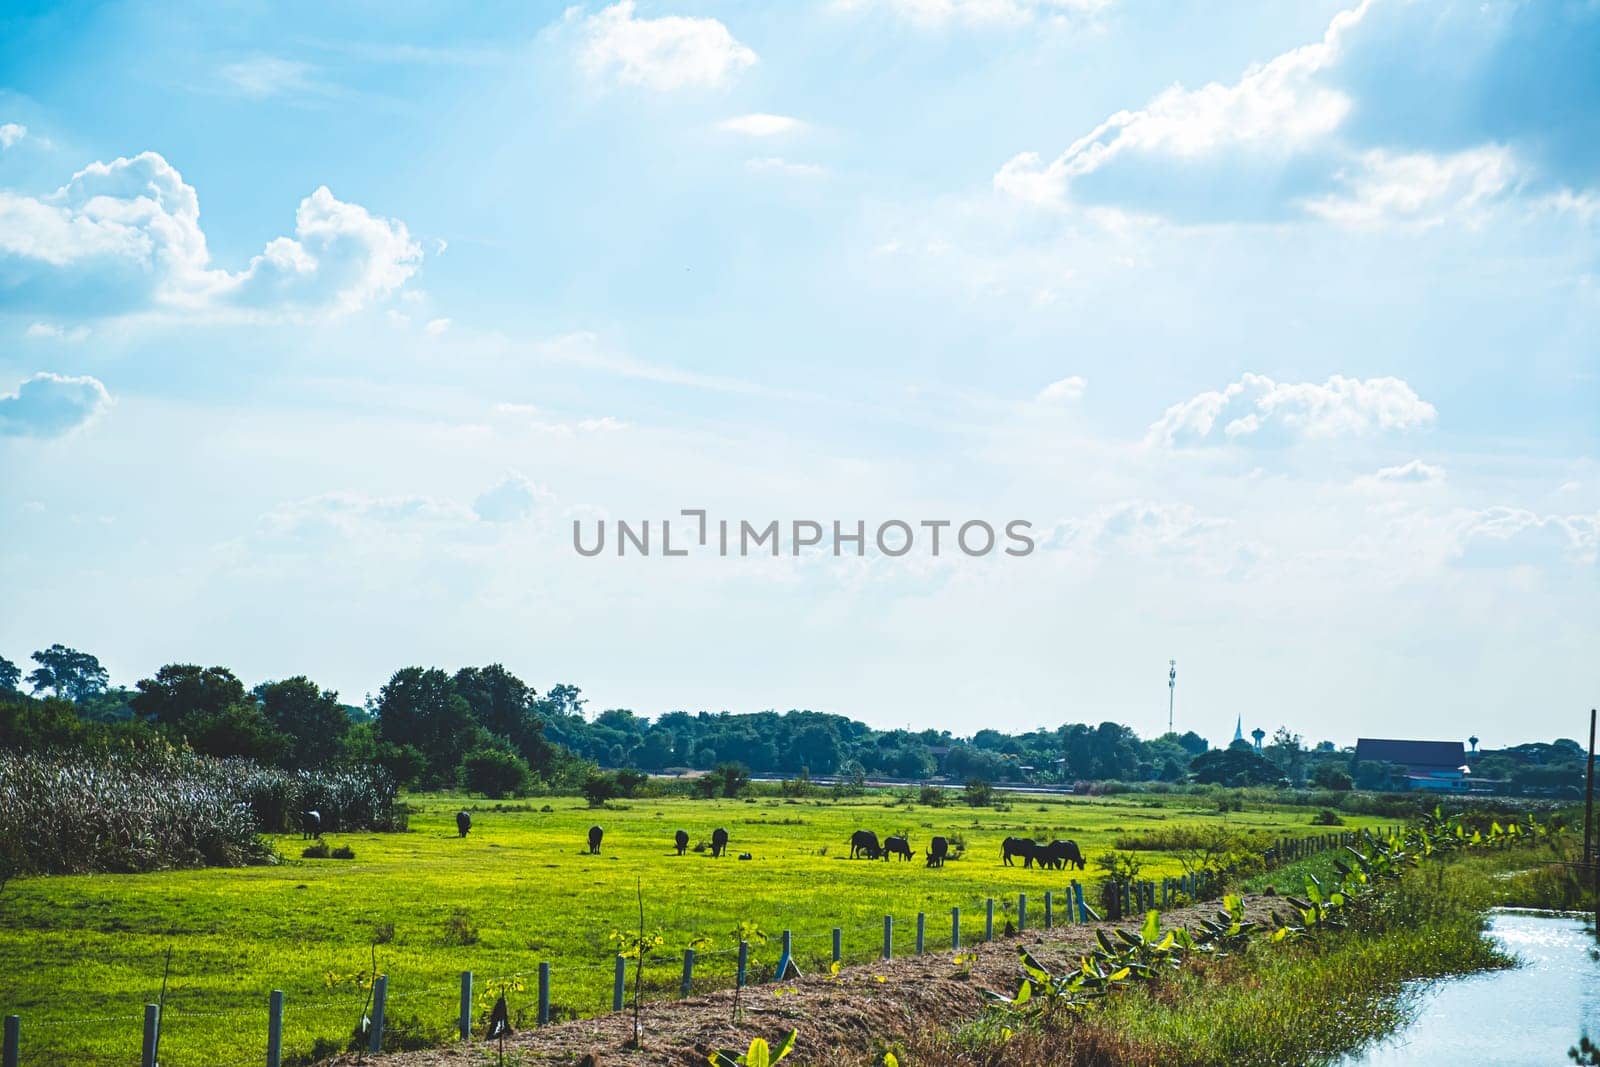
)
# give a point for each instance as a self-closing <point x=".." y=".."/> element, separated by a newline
<point x="744" y="964"/>
<point x="988" y="920"/>
<point x="922" y="921"/>
<point x="888" y="937"/>
<point x="1022" y="912"/>
<point x="786" y="958"/>
<point x="838" y="944"/>
<point x="955" y="928"/>
<point x="618" y="982"/>
<point x="152" y="1027"/>
<point x="466" y="1006"/>
<point x="275" y="1029"/>
<point x="13" y="1041"/>
<point x="688" y="972"/>
<point x="544" y="994"/>
<point x="380" y="994"/>
<point x="1077" y="897"/>
<point x="1049" y="909"/>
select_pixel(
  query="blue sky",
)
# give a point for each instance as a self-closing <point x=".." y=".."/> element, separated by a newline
<point x="1277" y="321"/>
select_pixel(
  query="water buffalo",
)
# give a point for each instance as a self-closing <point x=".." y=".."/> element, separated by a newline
<point x="898" y="845"/>
<point x="1058" y="854"/>
<point x="865" y="841"/>
<point x="1018" y="846"/>
<point x="681" y="839"/>
<point x="938" y="849"/>
<point x="719" y="841"/>
<point x="595" y="834"/>
<point x="310" y="824"/>
<point x="463" y="823"/>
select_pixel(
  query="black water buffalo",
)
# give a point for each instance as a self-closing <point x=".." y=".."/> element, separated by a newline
<point x="1058" y="854"/>
<point x="898" y="846"/>
<point x="310" y="824"/>
<point x="938" y="849"/>
<point x="681" y="839"/>
<point x="719" y="841"/>
<point x="1018" y="846"/>
<point x="595" y="834"/>
<point x="865" y="842"/>
<point x="463" y="823"/>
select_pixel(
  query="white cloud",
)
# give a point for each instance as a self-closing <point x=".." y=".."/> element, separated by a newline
<point x="1419" y="187"/>
<point x="513" y="498"/>
<point x="672" y="52"/>
<point x="1415" y="472"/>
<point x="1257" y="408"/>
<point x="11" y="133"/>
<point x="1066" y="390"/>
<point x="262" y="76"/>
<point x="436" y="327"/>
<point x="779" y="165"/>
<point x="346" y="514"/>
<point x="932" y="14"/>
<point x="49" y="405"/>
<point x="1508" y="536"/>
<point x="51" y="331"/>
<point x="126" y="235"/>
<point x="761" y="124"/>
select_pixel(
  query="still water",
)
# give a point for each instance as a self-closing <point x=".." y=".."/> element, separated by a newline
<point x="1530" y="1015"/>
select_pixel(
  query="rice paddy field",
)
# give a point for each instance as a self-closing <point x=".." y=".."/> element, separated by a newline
<point x="81" y="955"/>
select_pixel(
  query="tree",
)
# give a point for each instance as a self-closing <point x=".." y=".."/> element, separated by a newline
<point x="180" y="691"/>
<point x="495" y="772"/>
<point x="505" y="706"/>
<point x="1232" y="766"/>
<point x="1330" y="776"/>
<point x="10" y="675"/>
<point x="420" y="707"/>
<point x="236" y="730"/>
<point x="311" y="719"/>
<point x="68" y="673"/>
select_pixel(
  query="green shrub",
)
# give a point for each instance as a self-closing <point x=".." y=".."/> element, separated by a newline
<point x="317" y="850"/>
<point x="343" y="852"/>
<point x="495" y="772"/>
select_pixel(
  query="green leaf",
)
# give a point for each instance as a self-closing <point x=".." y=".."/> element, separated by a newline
<point x="1024" y="993"/>
<point x="1152" y="925"/>
<point x="1032" y="966"/>
<point x="1105" y="942"/>
<point x="787" y="1046"/>
<point x="1119" y="974"/>
<point x="759" y="1055"/>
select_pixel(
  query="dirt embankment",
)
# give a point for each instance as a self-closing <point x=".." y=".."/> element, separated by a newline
<point x="841" y="1020"/>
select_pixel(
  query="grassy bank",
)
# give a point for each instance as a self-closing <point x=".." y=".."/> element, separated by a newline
<point x="1278" y="1004"/>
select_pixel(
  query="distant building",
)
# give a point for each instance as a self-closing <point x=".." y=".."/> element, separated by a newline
<point x="1437" y="765"/>
<point x="1238" y="728"/>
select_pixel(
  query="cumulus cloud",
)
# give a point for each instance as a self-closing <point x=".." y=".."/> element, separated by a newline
<point x="1508" y="536"/>
<point x="760" y="124"/>
<point x="513" y="498"/>
<point x="1399" y="111"/>
<point x="1065" y="391"/>
<point x="50" y="405"/>
<point x="126" y="235"/>
<point x="436" y="327"/>
<point x="1256" y="409"/>
<point x="11" y="133"/>
<point x="934" y="14"/>
<point x="672" y="52"/>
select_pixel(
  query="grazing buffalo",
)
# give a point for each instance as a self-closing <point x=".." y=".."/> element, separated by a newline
<point x="310" y="824"/>
<point x="1018" y="846"/>
<point x="865" y="842"/>
<point x="719" y="841"/>
<point x="681" y="839"/>
<point x="463" y="823"/>
<point x="1058" y="854"/>
<point x="898" y="845"/>
<point x="595" y="834"/>
<point x="938" y="849"/>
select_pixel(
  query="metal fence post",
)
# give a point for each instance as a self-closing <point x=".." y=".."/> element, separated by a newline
<point x="618" y="983"/>
<point x="275" y="1029"/>
<point x="744" y="963"/>
<point x="838" y="944"/>
<point x="688" y="972"/>
<point x="955" y="928"/>
<point x="988" y="919"/>
<point x="466" y="1005"/>
<point x="888" y="937"/>
<point x="544" y="994"/>
<point x="1049" y="909"/>
<point x="1077" y="897"/>
<point x="152" y="1028"/>
<point x="922" y="921"/>
<point x="1022" y="912"/>
<point x="380" y="994"/>
<point x="13" y="1041"/>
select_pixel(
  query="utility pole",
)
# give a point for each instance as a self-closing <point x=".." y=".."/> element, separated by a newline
<point x="1589" y="857"/>
<point x="1172" y="689"/>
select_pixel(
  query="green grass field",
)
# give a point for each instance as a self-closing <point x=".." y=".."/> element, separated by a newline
<point x="80" y="955"/>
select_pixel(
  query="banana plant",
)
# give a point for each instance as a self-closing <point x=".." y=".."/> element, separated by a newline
<point x="759" y="1054"/>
